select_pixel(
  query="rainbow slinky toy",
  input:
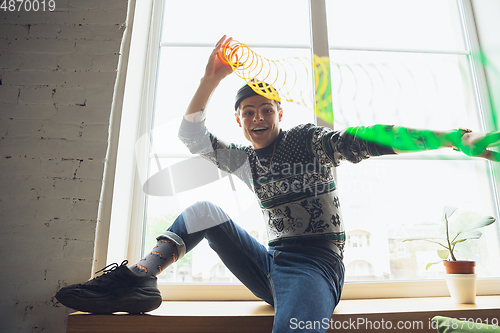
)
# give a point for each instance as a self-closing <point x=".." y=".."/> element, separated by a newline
<point x="290" y="78"/>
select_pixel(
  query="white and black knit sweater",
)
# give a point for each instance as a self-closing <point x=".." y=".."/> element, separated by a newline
<point x="292" y="177"/>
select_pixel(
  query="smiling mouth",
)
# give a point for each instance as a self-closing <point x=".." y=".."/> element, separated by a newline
<point x="259" y="129"/>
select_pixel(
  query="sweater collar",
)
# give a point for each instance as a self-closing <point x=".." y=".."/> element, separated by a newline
<point x="269" y="148"/>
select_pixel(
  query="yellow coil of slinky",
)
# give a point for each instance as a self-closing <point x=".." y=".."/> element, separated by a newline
<point x="289" y="79"/>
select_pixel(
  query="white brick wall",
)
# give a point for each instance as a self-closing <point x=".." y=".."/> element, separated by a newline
<point x="57" y="72"/>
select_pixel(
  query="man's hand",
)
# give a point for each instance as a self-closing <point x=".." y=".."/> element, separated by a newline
<point x="476" y="145"/>
<point x="215" y="68"/>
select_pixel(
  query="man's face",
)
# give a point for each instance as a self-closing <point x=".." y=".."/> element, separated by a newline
<point x="259" y="117"/>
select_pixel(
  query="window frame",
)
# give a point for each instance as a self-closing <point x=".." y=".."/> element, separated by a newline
<point x="126" y="225"/>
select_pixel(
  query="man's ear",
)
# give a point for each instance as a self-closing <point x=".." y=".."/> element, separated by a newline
<point x="237" y="118"/>
<point x="280" y="114"/>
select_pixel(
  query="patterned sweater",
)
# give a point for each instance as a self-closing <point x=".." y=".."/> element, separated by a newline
<point x="292" y="177"/>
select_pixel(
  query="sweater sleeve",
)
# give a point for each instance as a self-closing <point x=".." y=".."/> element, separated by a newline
<point x="228" y="157"/>
<point x="330" y="147"/>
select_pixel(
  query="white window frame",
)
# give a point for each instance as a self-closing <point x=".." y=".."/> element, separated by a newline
<point x="122" y="204"/>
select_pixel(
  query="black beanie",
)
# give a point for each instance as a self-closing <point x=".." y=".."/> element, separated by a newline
<point x="247" y="91"/>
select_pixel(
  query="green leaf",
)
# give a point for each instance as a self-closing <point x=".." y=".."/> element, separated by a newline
<point x="448" y="211"/>
<point x="483" y="222"/>
<point x="415" y="239"/>
<point x="472" y="235"/>
<point x="424" y="239"/>
<point x="459" y="241"/>
<point x="443" y="254"/>
<point x="432" y="263"/>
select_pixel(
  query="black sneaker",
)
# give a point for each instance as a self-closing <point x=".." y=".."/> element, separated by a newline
<point x="118" y="289"/>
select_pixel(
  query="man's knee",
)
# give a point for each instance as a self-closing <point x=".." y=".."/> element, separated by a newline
<point x="203" y="206"/>
<point x="203" y="215"/>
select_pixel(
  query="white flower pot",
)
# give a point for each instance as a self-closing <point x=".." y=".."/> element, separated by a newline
<point x="462" y="288"/>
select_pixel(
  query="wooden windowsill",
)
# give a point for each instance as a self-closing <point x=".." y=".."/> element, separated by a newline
<point x="255" y="316"/>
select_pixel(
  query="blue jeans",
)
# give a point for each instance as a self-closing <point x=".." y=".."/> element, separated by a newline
<point x="303" y="283"/>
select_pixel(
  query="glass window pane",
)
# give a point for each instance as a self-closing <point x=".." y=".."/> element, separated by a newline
<point x="275" y="22"/>
<point x="392" y="200"/>
<point x="431" y="91"/>
<point x="395" y="24"/>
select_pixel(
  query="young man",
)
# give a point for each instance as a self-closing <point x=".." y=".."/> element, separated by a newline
<point x="301" y="272"/>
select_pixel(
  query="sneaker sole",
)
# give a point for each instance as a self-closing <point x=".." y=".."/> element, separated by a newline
<point x="139" y="300"/>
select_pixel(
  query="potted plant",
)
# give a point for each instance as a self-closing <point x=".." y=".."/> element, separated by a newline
<point x="461" y="278"/>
